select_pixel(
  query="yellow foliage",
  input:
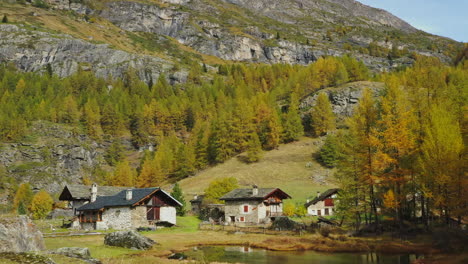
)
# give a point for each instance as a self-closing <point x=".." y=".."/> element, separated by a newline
<point x="41" y="205"/>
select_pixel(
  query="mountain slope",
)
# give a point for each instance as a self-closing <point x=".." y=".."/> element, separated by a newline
<point x="171" y="36"/>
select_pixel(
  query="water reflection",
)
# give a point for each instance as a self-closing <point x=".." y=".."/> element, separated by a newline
<point x="248" y="255"/>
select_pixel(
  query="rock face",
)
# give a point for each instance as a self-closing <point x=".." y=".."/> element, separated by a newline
<point x="268" y="31"/>
<point x="19" y="234"/>
<point x="76" y="252"/>
<point x="343" y="98"/>
<point x="128" y="239"/>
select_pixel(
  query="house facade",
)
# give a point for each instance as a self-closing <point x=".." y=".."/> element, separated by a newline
<point x="323" y="204"/>
<point x="129" y="209"/>
<point x="79" y="195"/>
<point x="253" y="206"/>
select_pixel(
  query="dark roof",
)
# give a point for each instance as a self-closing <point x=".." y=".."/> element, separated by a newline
<point x="83" y="192"/>
<point x="119" y="200"/>
<point x="247" y="194"/>
<point x="323" y="196"/>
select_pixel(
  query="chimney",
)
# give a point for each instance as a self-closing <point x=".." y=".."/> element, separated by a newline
<point x="195" y="197"/>
<point x="318" y="194"/>
<point x="93" y="192"/>
<point x="128" y="195"/>
<point x="307" y="201"/>
<point x="254" y="190"/>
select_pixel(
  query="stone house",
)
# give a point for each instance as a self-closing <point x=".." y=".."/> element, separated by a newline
<point x="254" y="205"/>
<point x="323" y="204"/>
<point x="196" y="203"/>
<point x="79" y="195"/>
<point x="129" y="209"/>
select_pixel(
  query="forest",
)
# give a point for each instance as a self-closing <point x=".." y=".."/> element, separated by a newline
<point x="402" y="152"/>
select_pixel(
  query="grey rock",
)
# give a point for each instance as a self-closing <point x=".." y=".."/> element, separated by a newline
<point x="128" y="239"/>
<point x="76" y="252"/>
<point x="19" y="234"/>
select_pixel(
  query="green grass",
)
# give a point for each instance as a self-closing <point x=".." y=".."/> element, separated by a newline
<point x="285" y="168"/>
<point x="185" y="224"/>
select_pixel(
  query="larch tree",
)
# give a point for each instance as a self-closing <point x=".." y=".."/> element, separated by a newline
<point x="23" y="196"/>
<point x="123" y="175"/>
<point x="322" y="116"/>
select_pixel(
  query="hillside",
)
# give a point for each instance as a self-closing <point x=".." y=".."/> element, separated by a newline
<point x="170" y="36"/>
<point x="291" y="167"/>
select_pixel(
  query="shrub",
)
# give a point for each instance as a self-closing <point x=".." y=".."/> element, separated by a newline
<point x="5" y="19"/>
<point x="41" y="205"/>
<point x="325" y="231"/>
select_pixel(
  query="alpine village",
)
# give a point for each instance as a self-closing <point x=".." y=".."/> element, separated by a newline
<point x="229" y="131"/>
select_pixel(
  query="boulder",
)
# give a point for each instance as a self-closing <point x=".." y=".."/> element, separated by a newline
<point x="76" y="252"/>
<point x="128" y="239"/>
<point x="19" y="234"/>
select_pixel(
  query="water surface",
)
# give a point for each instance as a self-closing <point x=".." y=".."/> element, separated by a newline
<point x="248" y="255"/>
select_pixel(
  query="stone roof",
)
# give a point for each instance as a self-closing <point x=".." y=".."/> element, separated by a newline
<point x="120" y="200"/>
<point x="323" y="196"/>
<point x="247" y="194"/>
<point x="83" y="192"/>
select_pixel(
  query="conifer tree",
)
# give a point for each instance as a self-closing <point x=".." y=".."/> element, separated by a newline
<point x="5" y="19"/>
<point x="123" y="175"/>
<point x="322" y="116"/>
<point x="179" y="196"/>
<point x="23" y="196"/>
<point x="292" y="122"/>
<point x="254" y="150"/>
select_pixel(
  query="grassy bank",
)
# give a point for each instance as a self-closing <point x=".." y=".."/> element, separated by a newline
<point x="187" y="235"/>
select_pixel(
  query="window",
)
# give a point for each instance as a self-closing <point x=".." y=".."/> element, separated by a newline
<point x="241" y="219"/>
<point x="246" y="208"/>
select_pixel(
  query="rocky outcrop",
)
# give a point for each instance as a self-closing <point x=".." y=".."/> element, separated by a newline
<point x="343" y="98"/>
<point x="33" y="50"/>
<point x="19" y="234"/>
<point x="128" y="239"/>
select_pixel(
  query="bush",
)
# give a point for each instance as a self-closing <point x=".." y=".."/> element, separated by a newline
<point x="41" y="205"/>
<point x="5" y="19"/>
<point x="284" y="223"/>
<point x="325" y="231"/>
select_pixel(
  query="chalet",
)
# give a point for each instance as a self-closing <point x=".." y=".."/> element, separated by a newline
<point x="323" y="204"/>
<point x="129" y="209"/>
<point x="253" y="206"/>
<point x="78" y="195"/>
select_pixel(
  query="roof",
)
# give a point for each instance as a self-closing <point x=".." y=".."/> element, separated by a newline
<point x="323" y="196"/>
<point x="120" y="200"/>
<point x="83" y="192"/>
<point x="247" y="194"/>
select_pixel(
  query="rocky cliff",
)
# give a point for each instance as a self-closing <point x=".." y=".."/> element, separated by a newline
<point x="168" y="36"/>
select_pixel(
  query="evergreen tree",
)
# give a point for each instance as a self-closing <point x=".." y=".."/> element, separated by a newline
<point x="123" y="175"/>
<point x="115" y="153"/>
<point x="322" y="117"/>
<point x="5" y="19"/>
<point x="179" y="196"/>
<point x="329" y="153"/>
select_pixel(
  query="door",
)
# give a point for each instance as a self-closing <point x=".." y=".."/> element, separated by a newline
<point x="319" y="212"/>
<point x="152" y="213"/>
<point x="326" y="211"/>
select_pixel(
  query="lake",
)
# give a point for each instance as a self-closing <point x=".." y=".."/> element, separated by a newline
<point x="248" y="255"/>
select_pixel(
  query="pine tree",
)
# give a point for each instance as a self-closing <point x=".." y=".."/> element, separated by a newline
<point x="328" y="154"/>
<point x="5" y="19"/>
<point x="179" y="196"/>
<point x="322" y="117"/>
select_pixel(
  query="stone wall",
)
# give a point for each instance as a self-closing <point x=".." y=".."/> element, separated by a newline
<point x="118" y="218"/>
<point x="168" y="214"/>
<point x="139" y="218"/>
<point x="236" y="209"/>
